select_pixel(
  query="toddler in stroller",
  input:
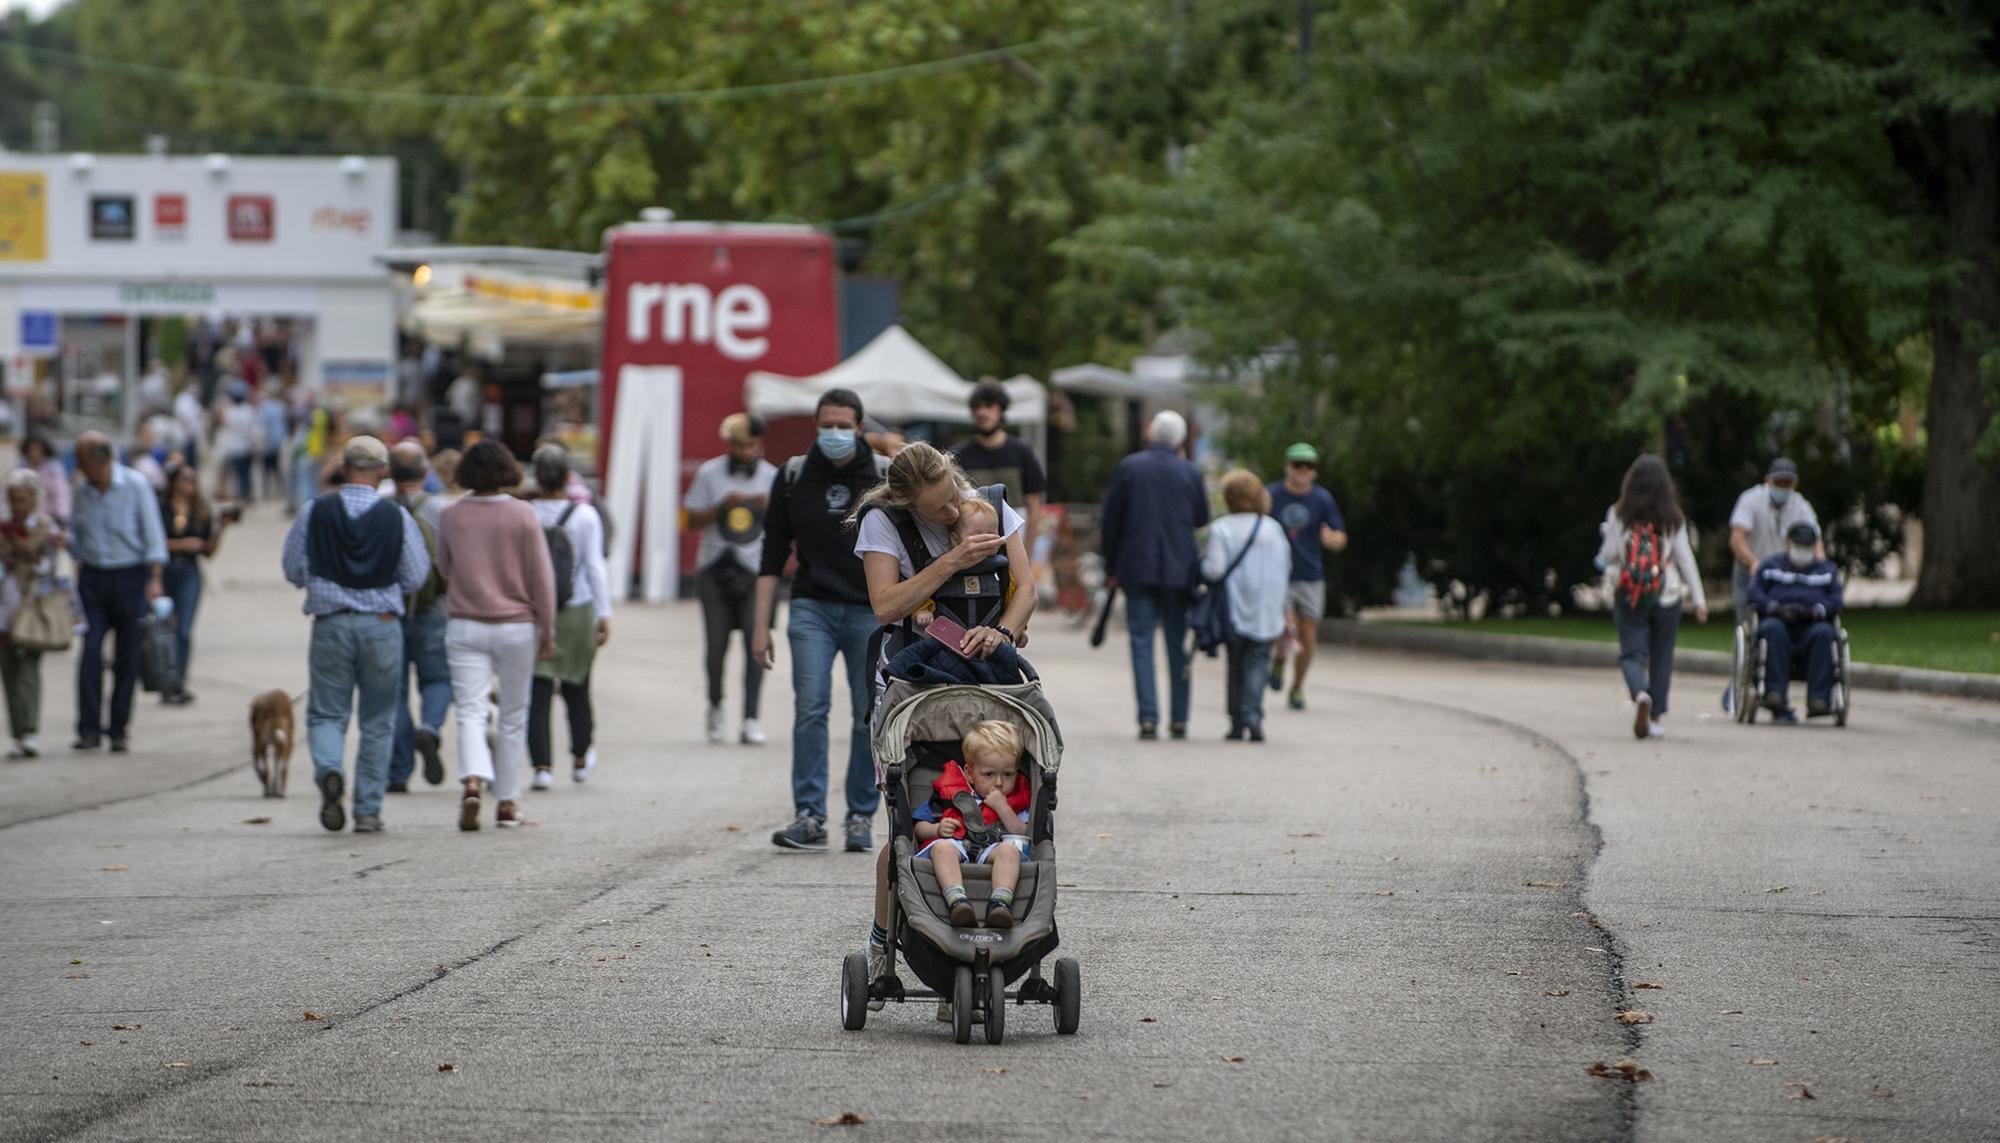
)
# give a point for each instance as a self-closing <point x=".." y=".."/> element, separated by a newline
<point x="919" y="733"/>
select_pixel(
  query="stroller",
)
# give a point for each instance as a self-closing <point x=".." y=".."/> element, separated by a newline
<point x="916" y="731"/>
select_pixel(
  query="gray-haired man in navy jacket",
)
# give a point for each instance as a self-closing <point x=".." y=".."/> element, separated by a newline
<point x="1155" y="503"/>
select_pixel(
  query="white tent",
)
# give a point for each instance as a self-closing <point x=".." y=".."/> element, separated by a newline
<point x="898" y="380"/>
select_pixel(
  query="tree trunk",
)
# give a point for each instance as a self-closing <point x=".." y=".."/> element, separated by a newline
<point x="1961" y="565"/>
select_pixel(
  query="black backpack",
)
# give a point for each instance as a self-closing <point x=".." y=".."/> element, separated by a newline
<point x="562" y="556"/>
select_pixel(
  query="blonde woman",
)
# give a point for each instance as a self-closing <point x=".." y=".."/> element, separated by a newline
<point x="1251" y="550"/>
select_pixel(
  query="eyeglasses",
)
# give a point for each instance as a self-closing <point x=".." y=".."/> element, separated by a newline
<point x="1305" y="464"/>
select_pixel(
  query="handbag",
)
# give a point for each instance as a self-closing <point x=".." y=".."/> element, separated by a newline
<point x="1209" y="617"/>
<point x="45" y="619"/>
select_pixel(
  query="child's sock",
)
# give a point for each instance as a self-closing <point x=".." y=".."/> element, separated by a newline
<point x="1001" y="897"/>
<point x="954" y="895"/>
<point x="877" y="935"/>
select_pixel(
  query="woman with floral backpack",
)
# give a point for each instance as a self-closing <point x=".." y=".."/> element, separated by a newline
<point x="1646" y="548"/>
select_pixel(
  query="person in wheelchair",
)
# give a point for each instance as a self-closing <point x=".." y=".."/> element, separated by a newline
<point x="1796" y="596"/>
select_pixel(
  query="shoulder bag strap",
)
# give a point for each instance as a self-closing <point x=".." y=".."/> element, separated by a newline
<point x="1247" y="545"/>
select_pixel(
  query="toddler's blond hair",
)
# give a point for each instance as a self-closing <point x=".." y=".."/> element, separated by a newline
<point x="978" y="508"/>
<point x="990" y="738"/>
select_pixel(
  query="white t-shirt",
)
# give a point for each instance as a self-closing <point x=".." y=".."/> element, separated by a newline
<point x="739" y="530"/>
<point x="590" y="578"/>
<point x="878" y="534"/>
<point x="242" y="430"/>
<point x="1258" y="586"/>
<point x="1766" y="523"/>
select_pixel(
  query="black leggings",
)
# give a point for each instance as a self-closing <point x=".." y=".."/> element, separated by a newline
<point x="576" y="700"/>
<point x="728" y="594"/>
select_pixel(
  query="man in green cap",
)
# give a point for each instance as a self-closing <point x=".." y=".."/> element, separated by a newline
<point x="1312" y="522"/>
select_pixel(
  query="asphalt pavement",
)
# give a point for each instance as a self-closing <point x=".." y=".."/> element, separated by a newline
<point x="1417" y="913"/>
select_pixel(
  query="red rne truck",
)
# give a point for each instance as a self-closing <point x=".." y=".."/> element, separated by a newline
<point x="690" y="310"/>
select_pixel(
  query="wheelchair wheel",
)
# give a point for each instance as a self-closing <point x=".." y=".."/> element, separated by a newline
<point x="1843" y="690"/>
<point x="1743" y="675"/>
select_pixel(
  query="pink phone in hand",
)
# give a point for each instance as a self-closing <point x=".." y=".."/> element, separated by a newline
<point x="946" y="630"/>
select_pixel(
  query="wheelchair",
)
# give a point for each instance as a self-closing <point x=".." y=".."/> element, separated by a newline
<point x="1746" y="673"/>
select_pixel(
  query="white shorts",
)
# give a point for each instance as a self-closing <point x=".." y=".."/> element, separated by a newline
<point x="1307" y="597"/>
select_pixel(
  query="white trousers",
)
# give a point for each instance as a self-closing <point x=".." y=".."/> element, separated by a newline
<point x="489" y="661"/>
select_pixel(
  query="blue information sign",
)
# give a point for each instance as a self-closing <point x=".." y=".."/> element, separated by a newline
<point x="38" y="332"/>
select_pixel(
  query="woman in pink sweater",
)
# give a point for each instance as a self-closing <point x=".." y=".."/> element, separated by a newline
<point x="500" y="597"/>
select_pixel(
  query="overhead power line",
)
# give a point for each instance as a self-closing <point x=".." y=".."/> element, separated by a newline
<point x="305" y="91"/>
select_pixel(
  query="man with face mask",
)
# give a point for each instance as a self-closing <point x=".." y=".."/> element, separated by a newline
<point x="727" y="502"/>
<point x="993" y="457"/>
<point x="1796" y="596"/>
<point x="1758" y="524"/>
<point x="810" y="499"/>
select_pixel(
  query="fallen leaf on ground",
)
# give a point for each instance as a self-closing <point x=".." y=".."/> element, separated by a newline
<point x="732" y="829"/>
<point x="1732" y="1011"/>
<point x="996" y="1071"/>
<point x="1385" y="893"/>
<point x="447" y="1067"/>
<point x="1881" y="1093"/>
<point x="126" y="1027"/>
<point x="88" y="1043"/>
<point x="175" y="1064"/>
<point x="257" y="821"/>
<point x="76" y="962"/>
<point x="1635" y="1017"/>
<point x="1628" y="1070"/>
<point x="1647" y="984"/>
<point x="1511" y="972"/>
<point x="1543" y="884"/>
<point x="1234" y="1059"/>
<point x="1763" y="1063"/>
<point x="261" y="1083"/>
<point x="312" y="1015"/>
<point x="1798" y="1091"/>
<point x="1161" y="1083"/>
<point x="844" y="1119"/>
<point x="1148" y="1020"/>
<point x="1777" y="888"/>
<point x="114" y="869"/>
<point x="1563" y="992"/>
<point x="77" y="976"/>
<point x="1304" y="835"/>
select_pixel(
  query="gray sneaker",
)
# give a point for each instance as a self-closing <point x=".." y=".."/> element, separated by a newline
<point x="805" y="832"/>
<point x="367" y="823"/>
<point x="879" y="966"/>
<point x="860" y="835"/>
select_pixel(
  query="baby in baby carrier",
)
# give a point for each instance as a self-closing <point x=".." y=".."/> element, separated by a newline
<point x="976" y="596"/>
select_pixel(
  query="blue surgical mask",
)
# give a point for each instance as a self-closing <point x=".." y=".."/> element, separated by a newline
<point x="1780" y="495"/>
<point x="837" y="444"/>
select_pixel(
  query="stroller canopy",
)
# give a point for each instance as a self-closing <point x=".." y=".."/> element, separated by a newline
<point x="908" y="713"/>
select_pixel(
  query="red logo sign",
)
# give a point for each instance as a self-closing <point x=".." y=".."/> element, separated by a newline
<point x="252" y="217"/>
<point x="719" y="304"/>
<point x="170" y="215"/>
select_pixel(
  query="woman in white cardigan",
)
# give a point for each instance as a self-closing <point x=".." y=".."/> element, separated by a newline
<point x="1647" y="554"/>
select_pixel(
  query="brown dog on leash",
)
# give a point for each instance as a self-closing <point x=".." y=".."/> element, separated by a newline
<point x="271" y="740"/>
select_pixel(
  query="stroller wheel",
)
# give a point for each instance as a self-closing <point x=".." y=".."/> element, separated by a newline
<point x="1069" y="996"/>
<point x="854" y="992"/>
<point x="961" y="1005"/>
<point x="996" y="1005"/>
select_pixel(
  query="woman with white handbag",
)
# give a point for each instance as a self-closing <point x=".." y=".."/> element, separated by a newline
<point x="36" y="614"/>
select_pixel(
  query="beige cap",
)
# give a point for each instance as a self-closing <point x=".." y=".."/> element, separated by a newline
<point x="365" y="452"/>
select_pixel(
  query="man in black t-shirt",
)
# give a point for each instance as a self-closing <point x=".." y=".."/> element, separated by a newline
<point x="992" y="457"/>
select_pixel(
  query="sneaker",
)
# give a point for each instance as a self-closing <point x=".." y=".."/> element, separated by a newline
<point x="1235" y="734"/>
<point x="879" y="966"/>
<point x="805" y="832"/>
<point x="468" y="806"/>
<point x="506" y="814"/>
<point x="1277" y="674"/>
<point x="860" y="835"/>
<point x="1818" y="708"/>
<point x="31" y="747"/>
<point x="1296" y="700"/>
<point x="1655" y="730"/>
<point x="1773" y="702"/>
<point x="944" y="1013"/>
<point x="1785" y="715"/>
<point x="1642" y="714"/>
<point x="120" y="746"/>
<point x="963" y="916"/>
<point x="1257" y="734"/>
<point x="86" y="742"/>
<point x="582" y="773"/>
<point x="544" y="779"/>
<point x="331" y="814"/>
<point x="1177" y="731"/>
<point x="753" y="733"/>
<point x="367" y="823"/>
<point x="1149" y="732"/>
<point x="999" y="916"/>
<point x="715" y="725"/>
<point x="427" y="747"/>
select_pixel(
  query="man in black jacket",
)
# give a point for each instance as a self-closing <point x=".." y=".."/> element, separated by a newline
<point x="811" y="498"/>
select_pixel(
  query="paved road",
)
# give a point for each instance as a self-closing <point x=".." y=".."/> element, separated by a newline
<point x="1413" y="915"/>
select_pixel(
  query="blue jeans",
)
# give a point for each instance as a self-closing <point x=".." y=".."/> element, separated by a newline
<point x="353" y="653"/>
<point x="1646" y="649"/>
<point x="1249" y="670"/>
<point x="818" y="630"/>
<point x="182" y="582"/>
<point x="423" y="648"/>
<point x="1165" y="608"/>
<point x="1811" y="641"/>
